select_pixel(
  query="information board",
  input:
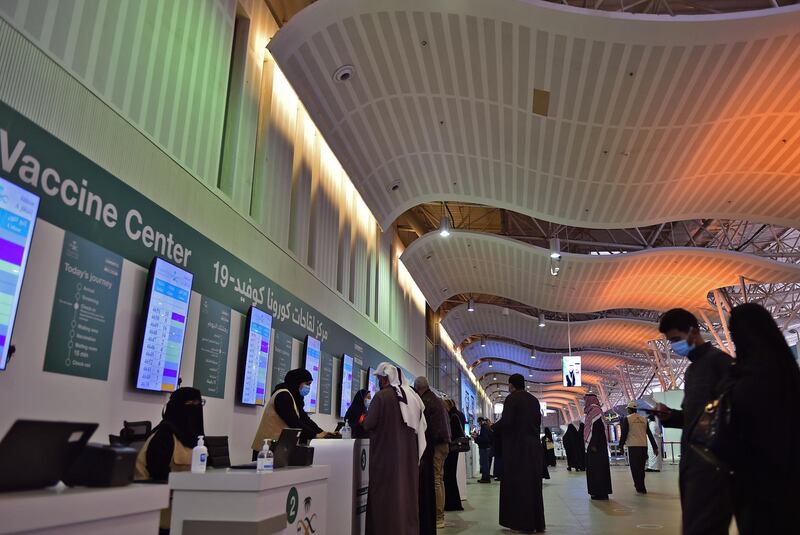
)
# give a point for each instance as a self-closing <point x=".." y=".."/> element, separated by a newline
<point x="254" y="387"/>
<point x="571" y="367"/>
<point x="167" y="307"/>
<point x="84" y="309"/>
<point x="346" y="396"/>
<point x="281" y="357"/>
<point x="18" y="210"/>
<point x="311" y="363"/>
<point x="325" y="383"/>
<point x="211" y="354"/>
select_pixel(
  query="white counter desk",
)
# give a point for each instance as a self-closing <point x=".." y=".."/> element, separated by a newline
<point x="244" y="502"/>
<point x="130" y="510"/>
<point x="347" y="495"/>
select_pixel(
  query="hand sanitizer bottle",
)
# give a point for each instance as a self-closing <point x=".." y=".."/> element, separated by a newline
<point x="266" y="459"/>
<point x="199" y="457"/>
<point x="346" y="431"/>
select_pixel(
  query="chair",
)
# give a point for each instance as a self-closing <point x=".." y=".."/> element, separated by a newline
<point x="218" y="452"/>
<point x="132" y="434"/>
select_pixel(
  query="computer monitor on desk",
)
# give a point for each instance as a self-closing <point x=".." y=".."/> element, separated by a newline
<point x="286" y="444"/>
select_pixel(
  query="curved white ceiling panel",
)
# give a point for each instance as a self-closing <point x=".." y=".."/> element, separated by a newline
<point x="590" y="360"/>
<point x="647" y="119"/>
<point x="657" y="279"/>
<point x="490" y="320"/>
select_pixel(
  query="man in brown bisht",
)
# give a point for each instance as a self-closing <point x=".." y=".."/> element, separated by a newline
<point x="521" y="502"/>
<point x="396" y="427"/>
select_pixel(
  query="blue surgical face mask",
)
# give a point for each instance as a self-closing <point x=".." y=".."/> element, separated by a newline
<point x="682" y="347"/>
<point x="304" y="390"/>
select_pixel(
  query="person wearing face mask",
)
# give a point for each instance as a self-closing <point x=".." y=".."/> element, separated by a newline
<point x="357" y="412"/>
<point x="706" y="499"/>
<point x="169" y="446"/>
<point x="285" y="410"/>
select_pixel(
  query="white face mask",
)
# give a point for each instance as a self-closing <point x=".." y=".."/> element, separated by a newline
<point x="367" y="402"/>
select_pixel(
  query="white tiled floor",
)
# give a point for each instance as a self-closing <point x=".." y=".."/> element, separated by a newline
<point x="569" y="510"/>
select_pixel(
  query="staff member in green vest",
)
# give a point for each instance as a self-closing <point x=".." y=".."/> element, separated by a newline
<point x="285" y="410"/>
<point x="635" y="433"/>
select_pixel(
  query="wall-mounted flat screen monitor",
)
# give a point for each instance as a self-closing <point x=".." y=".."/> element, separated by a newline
<point x="312" y="365"/>
<point x="18" y="209"/>
<point x="372" y="381"/>
<point x="571" y="370"/>
<point x="347" y="385"/>
<point x="166" y="310"/>
<point x="256" y="357"/>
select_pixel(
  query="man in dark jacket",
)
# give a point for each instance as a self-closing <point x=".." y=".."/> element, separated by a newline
<point x="706" y="499"/>
<point x="437" y="436"/>
<point x="484" y="441"/>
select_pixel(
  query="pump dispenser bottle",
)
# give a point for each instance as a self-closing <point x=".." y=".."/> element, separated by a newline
<point x="199" y="457"/>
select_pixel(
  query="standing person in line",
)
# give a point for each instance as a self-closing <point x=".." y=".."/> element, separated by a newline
<point x="571" y="441"/>
<point x="766" y="471"/>
<point x="706" y="498"/>
<point x="438" y="437"/>
<point x="497" y="454"/>
<point x="521" y="502"/>
<point x="549" y="446"/>
<point x="635" y="434"/>
<point x="484" y="441"/>
<point x="357" y="412"/>
<point x="452" y="496"/>
<point x="580" y="449"/>
<point x="655" y="457"/>
<point x="396" y="426"/>
<point x="598" y="468"/>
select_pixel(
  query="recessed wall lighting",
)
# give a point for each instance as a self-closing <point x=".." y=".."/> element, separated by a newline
<point x="344" y="73"/>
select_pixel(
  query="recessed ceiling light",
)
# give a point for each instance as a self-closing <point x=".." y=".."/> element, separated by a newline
<point x="344" y="73"/>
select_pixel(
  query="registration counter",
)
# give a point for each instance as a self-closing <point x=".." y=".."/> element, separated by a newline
<point x="347" y="495"/>
<point x="130" y="510"/>
<point x="242" y="502"/>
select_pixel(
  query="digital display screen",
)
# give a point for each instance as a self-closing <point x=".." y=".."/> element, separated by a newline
<point x="312" y="365"/>
<point x="169" y="290"/>
<point x="571" y="370"/>
<point x="347" y="384"/>
<point x="254" y="385"/>
<point x="18" y="210"/>
<point x="372" y="381"/>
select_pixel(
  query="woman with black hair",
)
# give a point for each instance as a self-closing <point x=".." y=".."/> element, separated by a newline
<point x="765" y="383"/>
<point x="285" y="409"/>
<point x="357" y="412"/>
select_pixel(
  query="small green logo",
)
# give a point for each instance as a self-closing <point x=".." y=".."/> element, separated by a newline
<point x="292" y="501"/>
<point x="363" y="460"/>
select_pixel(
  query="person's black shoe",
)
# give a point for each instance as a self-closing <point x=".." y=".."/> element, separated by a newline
<point x="497" y="479"/>
<point x="484" y="481"/>
<point x="604" y="497"/>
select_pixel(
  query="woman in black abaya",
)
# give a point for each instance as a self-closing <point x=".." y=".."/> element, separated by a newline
<point x="357" y="412"/>
<point x="452" y="496"/>
<point x="766" y="382"/>
<point x="571" y="441"/>
<point x="549" y="447"/>
<point x="598" y="469"/>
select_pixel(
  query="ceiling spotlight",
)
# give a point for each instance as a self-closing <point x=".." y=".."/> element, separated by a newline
<point x="471" y="305"/>
<point x="444" y="227"/>
<point x="555" y="248"/>
<point x="490" y="364"/>
<point x="533" y="355"/>
<point x="483" y="341"/>
<point x="530" y="374"/>
<point x="495" y="379"/>
<point x="506" y="312"/>
<point x="541" y="320"/>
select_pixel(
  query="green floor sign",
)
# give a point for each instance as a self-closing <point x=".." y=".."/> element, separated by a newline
<point x="84" y="308"/>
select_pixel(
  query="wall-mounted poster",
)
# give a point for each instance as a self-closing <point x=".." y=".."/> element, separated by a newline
<point x="571" y="370"/>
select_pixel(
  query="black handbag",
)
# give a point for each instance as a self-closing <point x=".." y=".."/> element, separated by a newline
<point x="461" y="445"/>
<point x="711" y="436"/>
